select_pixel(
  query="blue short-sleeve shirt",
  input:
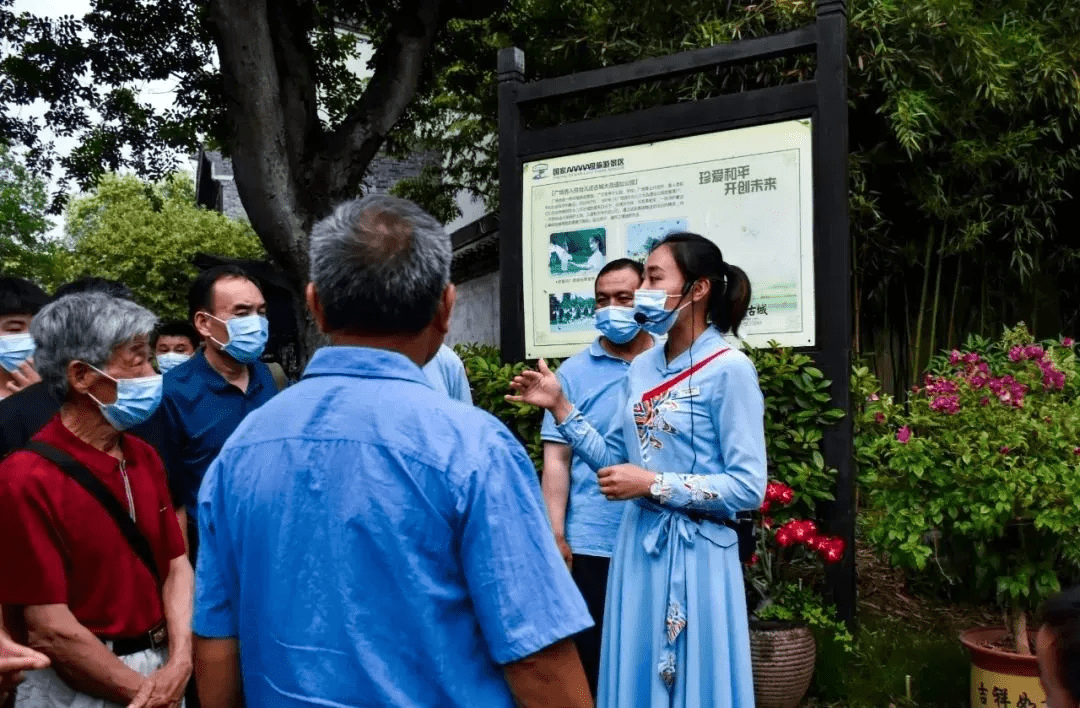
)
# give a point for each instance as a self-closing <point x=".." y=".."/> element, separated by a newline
<point x="594" y="381"/>
<point x="199" y="410"/>
<point x="446" y="373"/>
<point x="372" y="542"/>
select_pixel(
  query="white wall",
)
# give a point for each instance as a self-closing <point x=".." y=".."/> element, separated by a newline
<point x="475" y="319"/>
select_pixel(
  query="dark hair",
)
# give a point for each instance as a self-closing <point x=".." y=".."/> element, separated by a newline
<point x="201" y="293"/>
<point x="699" y="258"/>
<point x="18" y="296"/>
<point x="619" y="264"/>
<point x="91" y="284"/>
<point x="599" y="240"/>
<point x="1061" y="615"/>
<point x="175" y="328"/>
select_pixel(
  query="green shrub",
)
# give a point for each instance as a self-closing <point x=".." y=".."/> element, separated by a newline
<point x="798" y="409"/>
<point x="974" y="479"/>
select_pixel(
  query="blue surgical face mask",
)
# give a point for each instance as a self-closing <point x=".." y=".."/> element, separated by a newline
<point x="15" y="349"/>
<point x="617" y="324"/>
<point x="170" y="360"/>
<point x="650" y="309"/>
<point x="247" y="337"/>
<point x="136" y="400"/>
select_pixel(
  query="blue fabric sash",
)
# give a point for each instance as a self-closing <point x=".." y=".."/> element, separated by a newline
<point x="672" y="527"/>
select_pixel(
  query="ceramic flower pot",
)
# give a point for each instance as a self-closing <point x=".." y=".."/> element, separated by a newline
<point x="1000" y="677"/>
<point x="783" y="656"/>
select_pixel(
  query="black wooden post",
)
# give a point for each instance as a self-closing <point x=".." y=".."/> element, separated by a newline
<point x="512" y="295"/>
<point x="833" y="262"/>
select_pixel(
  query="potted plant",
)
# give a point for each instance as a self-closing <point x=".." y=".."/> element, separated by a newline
<point x="974" y="483"/>
<point x="785" y="609"/>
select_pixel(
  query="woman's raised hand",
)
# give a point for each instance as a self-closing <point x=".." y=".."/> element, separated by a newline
<point x="539" y="388"/>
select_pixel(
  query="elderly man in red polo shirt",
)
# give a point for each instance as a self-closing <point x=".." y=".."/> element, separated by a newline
<point x="98" y="578"/>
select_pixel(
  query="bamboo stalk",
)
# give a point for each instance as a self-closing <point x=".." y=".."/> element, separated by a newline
<point x="955" y="297"/>
<point x="984" y="301"/>
<point x="932" y="338"/>
<point x="922" y="305"/>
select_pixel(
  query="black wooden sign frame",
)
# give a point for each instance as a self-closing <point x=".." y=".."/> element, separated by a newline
<point x="823" y="99"/>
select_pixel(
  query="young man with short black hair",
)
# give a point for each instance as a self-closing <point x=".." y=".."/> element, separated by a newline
<point x="1057" y="646"/>
<point x="20" y="300"/>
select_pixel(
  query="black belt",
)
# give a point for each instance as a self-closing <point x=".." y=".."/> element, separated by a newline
<point x="156" y="638"/>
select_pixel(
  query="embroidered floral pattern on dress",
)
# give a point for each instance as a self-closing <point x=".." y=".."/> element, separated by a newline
<point x="675" y="621"/>
<point x="661" y="489"/>
<point x="667" y="668"/>
<point x="651" y="417"/>
<point x="697" y="486"/>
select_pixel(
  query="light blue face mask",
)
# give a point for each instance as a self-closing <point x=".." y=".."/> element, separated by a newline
<point x="650" y="310"/>
<point x="247" y="337"/>
<point x="15" y="349"/>
<point x="136" y="400"/>
<point x="617" y="324"/>
<point x="170" y="360"/>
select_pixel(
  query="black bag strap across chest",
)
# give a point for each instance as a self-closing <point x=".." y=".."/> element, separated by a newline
<point x="97" y="489"/>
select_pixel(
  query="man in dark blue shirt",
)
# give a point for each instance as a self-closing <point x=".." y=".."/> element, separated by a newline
<point x="206" y="397"/>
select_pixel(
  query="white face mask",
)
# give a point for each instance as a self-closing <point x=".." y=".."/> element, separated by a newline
<point x="170" y="360"/>
<point x="650" y="310"/>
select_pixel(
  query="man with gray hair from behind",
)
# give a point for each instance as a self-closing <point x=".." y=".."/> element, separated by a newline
<point x="95" y="573"/>
<point x="368" y="540"/>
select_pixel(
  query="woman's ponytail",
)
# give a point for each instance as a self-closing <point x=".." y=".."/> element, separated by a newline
<point x="699" y="258"/>
<point x="728" y="305"/>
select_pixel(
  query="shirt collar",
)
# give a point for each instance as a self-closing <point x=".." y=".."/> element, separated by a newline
<point x="364" y="362"/>
<point x="597" y="351"/>
<point x="57" y="434"/>
<point x="217" y="383"/>
<point x="708" y="342"/>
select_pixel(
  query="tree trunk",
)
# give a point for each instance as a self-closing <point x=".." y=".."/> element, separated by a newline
<point x="291" y="170"/>
<point x="1018" y="619"/>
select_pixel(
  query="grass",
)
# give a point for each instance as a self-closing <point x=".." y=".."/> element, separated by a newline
<point x="900" y="638"/>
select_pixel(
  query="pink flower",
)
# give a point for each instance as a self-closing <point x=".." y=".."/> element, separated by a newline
<point x="753" y="560"/>
<point x="879" y="417"/>
<point x="954" y="357"/>
<point x="873" y="397"/>
<point x="1004" y="449"/>
<point x="972" y="358"/>
<point x="1076" y="450"/>
<point x="1034" y="351"/>
<point x="764" y="506"/>
<point x="978" y="381"/>
<point x="1017" y="354"/>
<point x="946" y="404"/>
<point x="903" y="434"/>
<point x="985" y="401"/>
<point x="1068" y="342"/>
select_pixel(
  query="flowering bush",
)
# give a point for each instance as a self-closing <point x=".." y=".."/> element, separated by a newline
<point x="780" y="573"/>
<point x="976" y="476"/>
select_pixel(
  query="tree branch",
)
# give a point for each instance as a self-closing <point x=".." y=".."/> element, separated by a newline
<point x="398" y="64"/>
<point x="262" y="143"/>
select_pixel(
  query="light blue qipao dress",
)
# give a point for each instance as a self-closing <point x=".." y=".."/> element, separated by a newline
<point x="675" y="627"/>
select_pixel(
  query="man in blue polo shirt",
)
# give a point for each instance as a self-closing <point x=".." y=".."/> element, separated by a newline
<point x="583" y="520"/>
<point x="206" y="397"/>
<point x="366" y="539"/>
<point x="446" y="372"/>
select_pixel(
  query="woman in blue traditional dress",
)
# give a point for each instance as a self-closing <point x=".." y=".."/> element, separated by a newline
<point x="675" y="627"/>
